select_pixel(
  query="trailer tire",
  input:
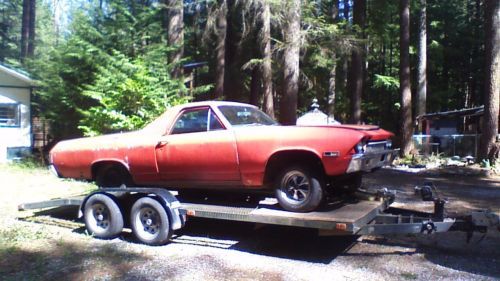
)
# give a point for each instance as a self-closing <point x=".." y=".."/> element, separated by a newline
<point x="149" y="222"/>
<point x="299" y="190"/>
<point x="103" y="218"/>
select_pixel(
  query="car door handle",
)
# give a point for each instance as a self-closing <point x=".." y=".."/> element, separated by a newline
<point x="161" y="143"/>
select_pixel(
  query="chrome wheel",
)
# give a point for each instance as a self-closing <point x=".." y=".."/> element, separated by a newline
<point x="298" y="189"/>
<point x="296" y="186"/>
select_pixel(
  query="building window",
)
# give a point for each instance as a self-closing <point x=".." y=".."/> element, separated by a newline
<point x="9" y="115"/>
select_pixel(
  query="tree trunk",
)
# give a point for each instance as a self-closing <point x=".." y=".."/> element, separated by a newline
<point x="265" y="46"/>
<point x="356" y="71"/>
<point x="422" y="60"/>
<point x="331" y="87"/>
<point x="25" y="28"/>
<point x="333" y="70"/>
<point x="220" y="62"/>
<point x="255" y="86"/>
<point x="334" y="10"/>
<point x="232" y="78"/>
<point x="175" y="32"/>
<point x="404" y="78"/>
<point x="288" y="109"/>
<point x="488" y="145"/>
<point x="31" y="36"/>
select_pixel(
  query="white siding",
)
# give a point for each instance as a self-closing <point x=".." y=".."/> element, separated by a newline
<point x="16" y="136"/>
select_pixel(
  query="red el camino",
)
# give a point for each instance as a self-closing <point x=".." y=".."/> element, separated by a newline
<point x="229" y="146"/>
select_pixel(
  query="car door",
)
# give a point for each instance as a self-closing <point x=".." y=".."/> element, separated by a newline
<point x="198" y="149"/>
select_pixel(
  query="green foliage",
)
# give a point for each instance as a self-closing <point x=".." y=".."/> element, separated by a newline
<point x="386" y="82"/>
<point x="10" y="27"/>
<point x="110" y="74"/>
<point x="129" y="93"/>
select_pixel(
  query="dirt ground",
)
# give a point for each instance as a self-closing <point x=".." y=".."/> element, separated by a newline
<point x="51" y="247"/>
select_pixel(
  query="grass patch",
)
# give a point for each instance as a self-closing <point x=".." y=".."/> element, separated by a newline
<point x="16" y="235"/>
<point x="28" y="163"/>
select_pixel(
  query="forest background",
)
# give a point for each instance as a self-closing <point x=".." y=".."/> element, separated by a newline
<point x="113" y="65"/>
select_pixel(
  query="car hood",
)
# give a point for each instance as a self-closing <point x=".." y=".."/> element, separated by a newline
<point x="368" y="132"/>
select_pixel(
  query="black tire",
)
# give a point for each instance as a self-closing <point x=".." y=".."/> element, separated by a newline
<point x="103" y="218"/>
<point x="112" y="176"/>
<point x="299" y="190"/>
<point x="149" y="222"/>
<point x="353" y="183"/>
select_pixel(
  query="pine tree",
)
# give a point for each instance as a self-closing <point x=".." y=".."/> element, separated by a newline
<point x="489" y="147"/>
<point x="404" y="78"/>
<point x="288" y="108"/>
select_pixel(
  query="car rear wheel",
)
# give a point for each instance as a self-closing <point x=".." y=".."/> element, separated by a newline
<point x="103" y="218"/>
<point x="149" y="222"/>
<point x="299" y="190"/>
<point x="112" y="176"/>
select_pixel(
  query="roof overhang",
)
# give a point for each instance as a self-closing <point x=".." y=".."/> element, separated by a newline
<point x="474" y="111"/>
<point x="18" y="75"/>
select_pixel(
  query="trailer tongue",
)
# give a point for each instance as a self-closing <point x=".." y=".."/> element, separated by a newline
<point x="153" y="214"/>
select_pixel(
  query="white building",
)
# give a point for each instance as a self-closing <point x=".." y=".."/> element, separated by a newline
<point x="316" y="117"/>
<point x="15" y="113"/>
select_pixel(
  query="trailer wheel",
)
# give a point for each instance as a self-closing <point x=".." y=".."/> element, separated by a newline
<point x="299" y="190"/>
<point x="103" y="217"/>
<point x="150" y="222"/>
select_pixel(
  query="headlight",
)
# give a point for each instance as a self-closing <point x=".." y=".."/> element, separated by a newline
<point x="388" y="144"/>
<point x="360" y="147"/>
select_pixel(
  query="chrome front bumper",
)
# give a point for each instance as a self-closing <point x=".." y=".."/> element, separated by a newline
<point x="366" y="162"/>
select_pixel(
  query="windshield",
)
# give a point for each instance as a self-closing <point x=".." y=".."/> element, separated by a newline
<point x="245" y="115"/>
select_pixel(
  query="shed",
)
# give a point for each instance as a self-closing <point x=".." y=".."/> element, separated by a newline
<point x="15" y="113"/>
<point x="466" y="120"/>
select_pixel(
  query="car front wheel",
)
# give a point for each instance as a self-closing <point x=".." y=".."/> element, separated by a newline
<point x="299" y="190"/>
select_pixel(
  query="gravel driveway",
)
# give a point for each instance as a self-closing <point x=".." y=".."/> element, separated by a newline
<point x="50" y="248"/>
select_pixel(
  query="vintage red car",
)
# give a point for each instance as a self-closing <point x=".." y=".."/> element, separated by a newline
<point x="229" y="146"/>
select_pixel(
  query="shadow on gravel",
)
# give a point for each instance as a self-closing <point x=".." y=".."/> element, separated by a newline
<point x="269" y="240"/>
<point x="66" y="261"/>
<point x="64" y="212"/>
<point x="305" y="245"/>
<point x="471" y="257"/>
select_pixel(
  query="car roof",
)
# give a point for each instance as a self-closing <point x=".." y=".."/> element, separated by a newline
<point x="212" y="104"/>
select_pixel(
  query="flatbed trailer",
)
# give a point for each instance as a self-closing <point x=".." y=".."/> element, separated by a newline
<point x="154" y="213"/>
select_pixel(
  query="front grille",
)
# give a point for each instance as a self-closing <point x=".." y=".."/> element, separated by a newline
<point x="375" y="147"/>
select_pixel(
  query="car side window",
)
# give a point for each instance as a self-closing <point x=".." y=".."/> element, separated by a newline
<point x="196" y="120"/>
<point x="191" y="121"/>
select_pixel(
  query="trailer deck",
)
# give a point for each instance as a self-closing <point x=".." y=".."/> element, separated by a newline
<point x="345" y="217"/>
